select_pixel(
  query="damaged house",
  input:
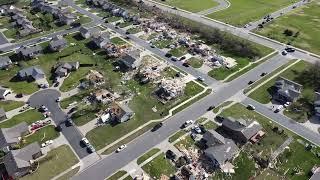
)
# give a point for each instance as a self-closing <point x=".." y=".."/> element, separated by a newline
<point x="170" y="89"/>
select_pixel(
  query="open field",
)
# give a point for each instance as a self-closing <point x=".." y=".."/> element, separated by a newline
<point x="242" y="12"/>
<point x="147" y="155"/>
<point x="29" y="117"/>
<point x="303" y="22"/>
<point x="55" y="162"/>
<point x="41" y="136"/>
<point x="10" y="105"/>
<point x="191" y="5"/>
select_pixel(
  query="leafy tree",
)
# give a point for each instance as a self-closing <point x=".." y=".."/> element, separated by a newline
<point x="288" y="32"/>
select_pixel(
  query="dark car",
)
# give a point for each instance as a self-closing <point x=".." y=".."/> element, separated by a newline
<point x="250" y="82"/>
<point x="127" y="37"/>
<point x="171" y="155"/>
<point x="69" y="122"/>
<point x="106" y="21"/>
<point x="178" y="74"/>
<point x="168" y="55"/>
<point x="186" y="64"/>
<point x="58" y="128"/>
<point x="174" y="59"/>
<point x="211" y="107"/>
<point x="19" y="95"/>
<point x="156" y="127"/>
<point x="288" y="49"/>
<point x="263" y="74"/>
<point x="56" y="84"/>
<point x="72" y="110"/>
<point x="127" y="32"/>
<point x="182" y="58"/>
<point x="152" y="46"/>
<point x="219" y="118"/>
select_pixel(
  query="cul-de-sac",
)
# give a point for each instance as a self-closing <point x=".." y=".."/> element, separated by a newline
<point x="160" y="89"/>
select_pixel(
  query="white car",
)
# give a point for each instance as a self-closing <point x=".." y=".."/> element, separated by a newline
<point x="122" y="147"/>
<point x="58" y="99"/>
<point x="197" y="129"/>
<point x="286" y="104"/>
<point x="85" y="141"/>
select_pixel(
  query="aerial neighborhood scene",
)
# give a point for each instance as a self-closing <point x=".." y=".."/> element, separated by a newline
<point x="160" y="89"/>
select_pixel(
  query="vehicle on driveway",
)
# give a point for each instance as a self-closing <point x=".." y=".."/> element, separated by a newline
<point x="278" y="109"/>
<point x="122" y="147"/>
<point x="200" y="79"/>
<point x="250" y="82"/>
<point x="174" y="59"/>
<point x="90" y="148"/>
<point x="197" y="129"/>
<point x="263" y="74"/>
<point x="85" y="141"/>
<point x="156" y="127"/>
<point x="211" y="108"/>
<point x="187" y="123"/>
<point x="58" y="99"/>
<point x="171" y="155"/>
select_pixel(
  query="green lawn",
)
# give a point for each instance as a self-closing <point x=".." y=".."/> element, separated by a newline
<point x="201" y="120"/>
<point x="243" y="11"/>
<point x="297" y="157"/>
<point x="222" y="72"/>
<point x="159" y="166"/>
<point x="55" y="162"/>
<point x="141" y="104"/>
<point x="271" y="141"/>
<point x="73" y="80"/>
<point x="85" y="115"/>
<point x="114" y="19"/>
<point x="163" y="43"/>
<point x="41" y="136"/>
<point x="304" y="21"/>
<point x="69" y="174"/>
<point x="75" y="98"/>
<point x="134" y="30"/>
<point x="226" y="103"/>
<point x="244" y="168"/>
<point x="187" y="142"/>
<point x="118" y="41"/>
<point x="117" y="175"/>
<point x="195" y="62"/>
<point x="191" y="5"/>
<point x="210" y="125"/>
<point x="178" y="52"/>
<point x="262" y="94"/>
<point x="176" y="136"/>
<point x="29" y="117"/>
<point x="147" y="155"/>
<point x="10" y="105"/>
<point x="125" y="24"/>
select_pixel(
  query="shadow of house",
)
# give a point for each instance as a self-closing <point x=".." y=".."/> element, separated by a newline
<point x="130" y="61"/>
<point x="286" y="90"/>
<point x="21" y="161"/>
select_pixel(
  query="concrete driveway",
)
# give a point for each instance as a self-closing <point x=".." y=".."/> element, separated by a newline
<point x="48" y="98"/>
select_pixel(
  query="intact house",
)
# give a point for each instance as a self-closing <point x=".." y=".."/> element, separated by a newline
<point x="20" y="162"/>
<point x="242" y="131"/>
<point x="130" y="61"/>
<point x="63" y="68"/>
<point x="31" y="73"/>
<point x="286" y="90"/>
<point x="58" y="43"/>
<point x="89" y="32"/>
<point x="10" y="137"/>
<point x="29" y="52"/>
<point x="3" y="115"/>
<point x="4" y="93"/>
<point x="95" y="78"/>
<point x="101" y="40"/>
<point x="170" y="89"/>
<point x="5" y="62"/>
<point x="67" y="18"/>
<point x="120" y="112"/>
<point x="104" y="96"/>
<point x="220" y="150"/>
<point x="316" y="105"/>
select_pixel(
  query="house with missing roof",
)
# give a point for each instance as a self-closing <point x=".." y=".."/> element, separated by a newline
<point x="316" y="105"/>
<point x="130" y="61"/>
<point x="20" y="162"/>
<point x="221" y="151"/>
<point x="5" y="62"/>
<point x="31" y="73"/>
<point x="63" y="68"/>
<point x="3" y="115"/>
<point x="10" y="137"/>
<point x="29" y="52"/>
<point x="104" y="96"/>
<point x="242" y="131"/>
<point x="120" y="112"/>
<point x="87" y="32"/>
<point x="286" y="90"/>
<point x="57" y="43"/>
<point x="101" y="40"/>
<point x="4" y="92"/>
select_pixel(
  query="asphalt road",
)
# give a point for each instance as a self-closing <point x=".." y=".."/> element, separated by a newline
<point x="285" y="121"/>
<point x="115" y="161"/>
<point x="48" y="98"/>
<point x="3" y="39"/>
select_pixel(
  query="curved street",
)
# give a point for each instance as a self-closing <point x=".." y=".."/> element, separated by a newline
<point x="48" y="98"/>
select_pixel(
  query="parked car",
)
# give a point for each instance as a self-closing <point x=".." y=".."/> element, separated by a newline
<point x="284" y="52"/>
<point x="122" y="147"/>
<point x="174" y="59"/>
<point x="182" y="58"/>
<point x="58" y="99"/>
<point x="197" y="129"/>
<point x="56" y="84"/>
<point x="171" y="155"/>
<point x="211" y="108"/>
<point x="286" y="104"/>
<point x="156" y="127"/>
<point x="127" y="37"/>
<point x="251" y="107"/>
<point x="90" y="148"/>
<point x="58" y="128"/>
<point x="152" y="46"/>
<point x="193" y="136"/>
<point x="85" y="141"/>
<point x="250" y="82"/>
<point x="279" y="108"/>
<point x="19" y="95"/>
<point x="263" y="74"/>
<point x="186" y="64"/>
<point x="188" y="123"/>
<point x="289" y="49"/>
<point x="69" y="122"/>
<point x="200" y="78"/>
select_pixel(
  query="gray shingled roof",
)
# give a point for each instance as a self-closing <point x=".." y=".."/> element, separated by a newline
<point x="32" y="71"/>
<point x="58" y="42"/>
<point x="11" y="135"/>
<point x="5" y="61"/>
<point x="247" y="128"/>
<point x="26" y="50"/>
<point x="288" y="88"/>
